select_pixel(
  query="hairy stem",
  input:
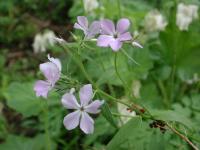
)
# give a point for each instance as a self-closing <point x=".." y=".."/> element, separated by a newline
<point x="182" y="136"/>
<point x="46" y="126"/>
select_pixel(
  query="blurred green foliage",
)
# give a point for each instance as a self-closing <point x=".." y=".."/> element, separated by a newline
<point x="167" y="62"/>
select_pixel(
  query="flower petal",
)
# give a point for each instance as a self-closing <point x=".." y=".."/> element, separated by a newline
<point x="125" y="36"/>
<point x="123" y="25"/>
<point x="134" y="43"/>
<point x="93" y="30"/>
<point x="86" y="123"/>
<point x="104" y="40"/>
<point x="107" y="27"/>
<point x="115" y="44"/>
<point x="83" y="22"/>
<point x="42" y="88"/>
<point x="69" y="101"/>
<point x="93" y="107"/>
<point x="77" y="26"/>
<point x="56" y="61"/>
<point x="85" y="94"/>
<point x="71" y="121"/>
<point x="50" y="71"/>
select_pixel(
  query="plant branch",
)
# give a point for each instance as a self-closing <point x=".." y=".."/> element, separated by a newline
<point x="182" y="136"/>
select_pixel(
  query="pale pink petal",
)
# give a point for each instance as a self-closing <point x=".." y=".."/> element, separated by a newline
<point x="86" y="123"/>
<point x="55" y="61"/>
<point x="104" y="40"/>
<point x="85" y="94"/>
<point x="107" y="27"/>
<point x="122" y="25"/>
<point x="125" y="36"/>
<point x="50" y="71"/>
<point x="69" y="101"/>
<point x="93" y="30"/>
<point x="83" y="22"/>
<point x="71" y="121"/>
<point x="42" y="88"/>
<point x="115" y="44"/>
<point x="93" y="107"/>
<point x="78" y="26"/>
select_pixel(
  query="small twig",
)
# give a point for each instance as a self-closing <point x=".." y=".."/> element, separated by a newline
<point x="182" y="136"/>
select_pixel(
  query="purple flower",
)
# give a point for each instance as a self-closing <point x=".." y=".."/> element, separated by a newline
<point x="114" y="37"/>
<point x="89" y="31"/>
<point x="51" y="71"/>
<point x="80" y="115"/>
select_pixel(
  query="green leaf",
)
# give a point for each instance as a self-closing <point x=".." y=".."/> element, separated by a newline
<point x="107" y="114"/>
<point x="21" y="143"/>
<point x="125" y="134"/>
<point x="169" y="115"/>
<point x="21" y="97"/>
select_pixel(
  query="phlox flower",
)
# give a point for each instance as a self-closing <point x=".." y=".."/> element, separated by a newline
<point x="80" y="115"/>
<point x="112" y="36"/>
<point x="89" y="30"/>
<point x="155" y="21"/>
<point x="51" y="70"/>
<point x="90" y="5"/>
<point x="185" y="15"/>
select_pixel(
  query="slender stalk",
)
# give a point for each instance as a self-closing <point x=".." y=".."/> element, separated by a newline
<point x="46" y="126"/>
<point x="129" y="57"/>
<point x="164" y="93"/>
<point x="117" y="73"/>
<point x="182" y="136"/>
<point x="121" y="115"/>
<point x="119" y="8"/>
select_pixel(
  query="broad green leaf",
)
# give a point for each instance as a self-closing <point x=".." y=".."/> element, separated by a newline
<point x="169" y="115"/>
<point x="125" y="134"/>
<point x="21" y="97"/>
<point x="107" y="114"/>
<point x="14" y="142"/>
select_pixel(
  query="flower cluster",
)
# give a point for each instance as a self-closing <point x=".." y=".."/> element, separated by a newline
<point x="185" y="15"/>
<point x="154" y="21"/>
<point x="109" y="35"/>
<point x="52" y="72"/>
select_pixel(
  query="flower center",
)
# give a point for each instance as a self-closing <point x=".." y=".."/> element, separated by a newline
<point x="82" y="109"/>
<point x="115" y="35"/>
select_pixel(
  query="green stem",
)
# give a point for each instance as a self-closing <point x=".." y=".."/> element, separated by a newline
<point x="121" y="115"/>
<point x="46" y="126"/>
<point x="117" y="73"/>
<point x="164" y="93"/>
<point x="129" y="57"/>
<point x="119" y="8"/>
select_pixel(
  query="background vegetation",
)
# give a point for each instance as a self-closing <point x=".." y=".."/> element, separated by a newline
<point x="166" y="81"/>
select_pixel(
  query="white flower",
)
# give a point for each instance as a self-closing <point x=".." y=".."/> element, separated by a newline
<point x="49" y="38"/>
<point x="136" y="86"/>
<point x="193" y="80"/>
<point x="126" y="114"/>
<point x="154" y="21"/>
<point x="185" y="15"/>
<point x="42" y="41"/>
<point x="90" y="5"/>
<point x="38" y="44"/>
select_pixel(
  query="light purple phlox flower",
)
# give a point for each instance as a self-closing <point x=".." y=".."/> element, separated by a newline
<point x="112" y="36"/>
<point x="51" y="70"/>
<point x="80" y="115"/>
<point x="89" y="31"/>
